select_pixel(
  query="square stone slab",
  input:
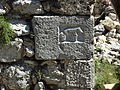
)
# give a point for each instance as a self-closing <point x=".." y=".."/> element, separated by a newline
<point x="79" y="74"/>
<point x="63" y="37"/>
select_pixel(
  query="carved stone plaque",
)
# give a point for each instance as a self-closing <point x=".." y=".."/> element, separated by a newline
<point x="63" y="37"/>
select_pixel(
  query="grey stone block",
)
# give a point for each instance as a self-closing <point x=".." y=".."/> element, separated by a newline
<point x="12" y="52"/>
<point x="68" y="7"/>
<point x="27" y="7"/>
<point x="15" y="76"/>
<point x="63" y="37"/>
<point x="79" y="74"/>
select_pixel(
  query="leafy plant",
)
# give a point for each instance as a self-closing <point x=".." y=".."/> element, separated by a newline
<point x="6" y="33"/>
<point x="98" y="49"/>
<point x="105" y="73"/>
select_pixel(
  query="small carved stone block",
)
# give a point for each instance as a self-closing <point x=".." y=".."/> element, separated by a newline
<point x="63" y="37"/>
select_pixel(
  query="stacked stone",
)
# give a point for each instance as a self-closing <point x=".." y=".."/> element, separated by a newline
<point x="107" y="36"/>
<point x="100" y="6"/>
<point x="53" y="48"/>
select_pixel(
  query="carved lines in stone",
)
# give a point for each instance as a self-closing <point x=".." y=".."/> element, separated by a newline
<point x="72" y="34"/>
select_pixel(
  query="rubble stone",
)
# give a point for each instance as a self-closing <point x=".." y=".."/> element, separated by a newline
<point x="118" y="28"/>
<point x="28" y="47"/>
<point x="15" y="47"/>
<point x="39" y="86"/>
<point x="16" y="76"/>
<point x="69" y="7"/>
<point x="28" y="7"/>
<point x="112" y="33"/>
<point x="20" y="27"/>
<point x="99" y="29"/>
<point x="2" y="11"/>
<point x="52" y="73"/>
<point x="108" y="23"/>
<point x="113" y="16"/>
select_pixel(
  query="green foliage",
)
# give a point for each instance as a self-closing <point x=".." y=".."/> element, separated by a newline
<point x="98" y="49"/>
<point x="6" y="33"/>
<point x="38" y="74"/>
<point x="26" y="89"/>
<point x="105" y="73"/>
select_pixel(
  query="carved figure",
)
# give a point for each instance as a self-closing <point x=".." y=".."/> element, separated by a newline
<point x="71" y="34"/>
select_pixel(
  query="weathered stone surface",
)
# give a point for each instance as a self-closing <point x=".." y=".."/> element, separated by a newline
<point x="2" y="11"/>
<point x="28" y="47"/>
<point x="108" y="23"/>
<point x="12" y="52"/>
<point x="113" y="16"/>
<point x="15" y="76"/>
<point x="52" y="74"/>
<point x="68" y="74"/>
<point x="39" y="86"/>
<point x="99" y="30"/>
<point x="79" y="74"/>
<point x="111" y="33"/>
<point x="28" y="7"/>
<point x="65" y="37"/>
<point x="69" y="7"/>
<point x="20" y="27"/>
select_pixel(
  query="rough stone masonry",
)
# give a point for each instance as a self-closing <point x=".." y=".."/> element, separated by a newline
<point x="66" y="38"/>
<point x="53" y="45"/>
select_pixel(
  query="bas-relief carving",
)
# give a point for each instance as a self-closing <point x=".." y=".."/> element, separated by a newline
<point x="71" y="34"/>
<point x="65" y="38"/>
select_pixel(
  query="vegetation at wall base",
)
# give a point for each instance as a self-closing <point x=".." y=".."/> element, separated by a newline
<point x="6" y="33"/>
<point x="105" y="73"/>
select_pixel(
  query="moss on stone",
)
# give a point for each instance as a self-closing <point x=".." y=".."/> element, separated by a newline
<point x="6" y="33"/>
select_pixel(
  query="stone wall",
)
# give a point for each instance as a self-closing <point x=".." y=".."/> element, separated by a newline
<point x="53" y="45"/>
